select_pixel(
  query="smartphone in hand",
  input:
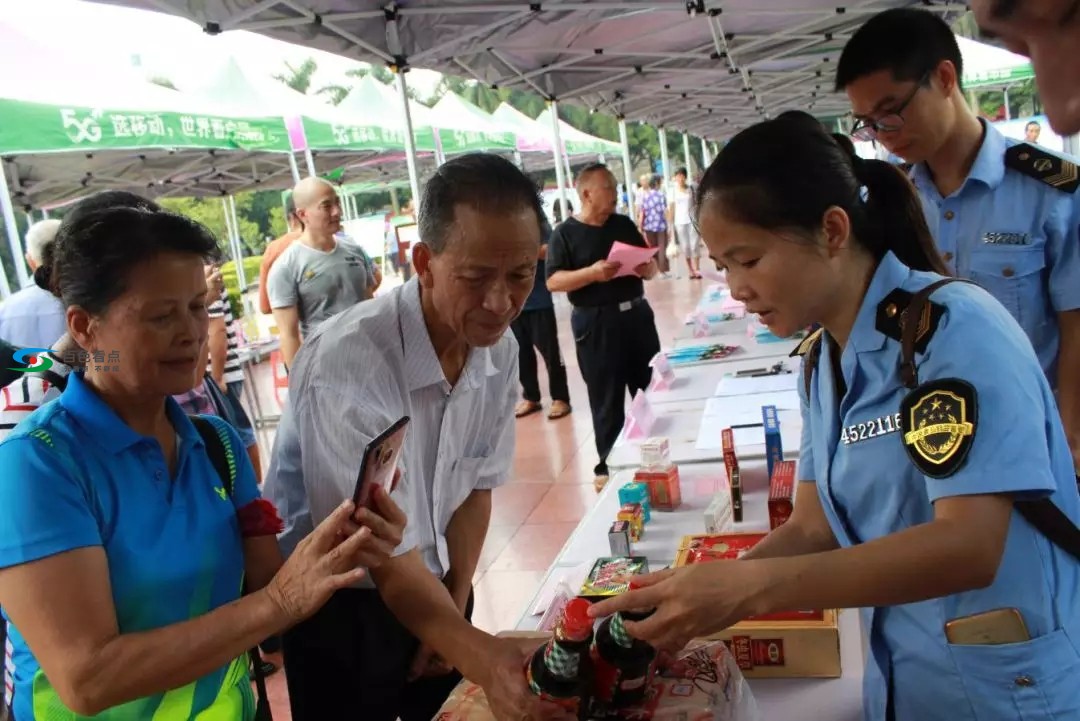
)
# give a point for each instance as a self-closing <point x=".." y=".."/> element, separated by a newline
<point x="380" y="462"/>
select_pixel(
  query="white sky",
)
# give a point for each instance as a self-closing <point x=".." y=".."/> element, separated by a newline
<point x="169" y="46"/>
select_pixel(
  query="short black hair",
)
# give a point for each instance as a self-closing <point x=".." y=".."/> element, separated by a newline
<point x="76" y="213"/>
<point x="98" y="247"/>
<point x="680" y="171"/>
<point x="1032" y="122"/>
<point x="484" y="181"/>
<point x="908" y="42"/>
<point x="846" y="143"/>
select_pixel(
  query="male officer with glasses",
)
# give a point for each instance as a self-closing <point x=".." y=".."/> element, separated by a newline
<point x="1004" y="213"/>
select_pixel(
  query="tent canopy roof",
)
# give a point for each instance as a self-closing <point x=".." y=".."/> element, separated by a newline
<point x="704" y="66"/>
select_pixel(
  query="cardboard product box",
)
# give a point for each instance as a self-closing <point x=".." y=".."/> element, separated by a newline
<point x="727" y="440"/>
<point x="791" y="644"/>
<point x="718" y="516"/>
<point x="665" y="492"/>
<point x="805" y="648"/>
<point x="636" y="493"/>
<point x="633" y="514"/>
<point x="736" y="495"/>
<point x="781" y="493"/>
<point x="611" y="576"/>
<point x="774" y="447"/>
<point x="619" y="538"/>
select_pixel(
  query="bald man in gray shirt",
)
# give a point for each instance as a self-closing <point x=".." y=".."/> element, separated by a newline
<point x="318" y="276"/>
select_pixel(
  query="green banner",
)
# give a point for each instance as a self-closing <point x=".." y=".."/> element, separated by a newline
<point x="1004" y="76"/>
<point x="343" y="136"/>
<point x="469" y="141"/>
<point x="40" y="128"/>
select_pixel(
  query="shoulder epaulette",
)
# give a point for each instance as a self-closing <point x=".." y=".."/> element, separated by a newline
<point x="892" y="315"/>
<point x="808" y="342"/>
<point x="1044" y="166"/>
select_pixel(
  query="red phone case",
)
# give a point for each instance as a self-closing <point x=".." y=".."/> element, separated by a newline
<point x="380" y="462"/>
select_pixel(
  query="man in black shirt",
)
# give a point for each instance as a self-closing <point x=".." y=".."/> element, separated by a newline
<point x="614" y="328"/>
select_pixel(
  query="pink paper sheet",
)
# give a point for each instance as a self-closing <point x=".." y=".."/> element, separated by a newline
<point x="629" y="257"/>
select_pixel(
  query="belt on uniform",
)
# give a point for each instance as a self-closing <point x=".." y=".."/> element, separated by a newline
<point x="622" y="307"/>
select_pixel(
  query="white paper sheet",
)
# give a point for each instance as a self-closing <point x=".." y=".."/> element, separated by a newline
<point x="744" y="405"/>
<point x="709" y="433"/>
<point x="734" y="386"/>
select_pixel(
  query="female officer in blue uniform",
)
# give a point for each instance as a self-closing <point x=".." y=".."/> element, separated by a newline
<point x="911" y="495"/>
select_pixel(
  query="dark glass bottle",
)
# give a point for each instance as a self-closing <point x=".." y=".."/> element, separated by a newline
<point x="622" y="664"/>
<point x="560" y="670"/>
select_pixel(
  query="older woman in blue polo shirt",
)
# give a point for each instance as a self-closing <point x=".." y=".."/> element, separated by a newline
<point x="122" y="553"/>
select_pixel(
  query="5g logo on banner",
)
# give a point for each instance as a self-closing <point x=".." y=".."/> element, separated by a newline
<point x="79" y="129"/>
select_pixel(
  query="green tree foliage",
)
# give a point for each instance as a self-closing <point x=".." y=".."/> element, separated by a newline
<point x="299" y="77"/>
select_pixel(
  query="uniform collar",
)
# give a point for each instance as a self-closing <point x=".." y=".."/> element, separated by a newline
<point x="890" y="275"/>
<point x="421" y="363"/>
<point x="102" y="423"/>
<point x="988" y="168"/>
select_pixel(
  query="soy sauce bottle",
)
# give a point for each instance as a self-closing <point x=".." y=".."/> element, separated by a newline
<point x="560" y="671"/>
<point x="622" y="665"/>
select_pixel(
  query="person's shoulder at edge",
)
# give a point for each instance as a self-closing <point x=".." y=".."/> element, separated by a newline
<point x="972" y="317"/>
<point x="365" y="334"/>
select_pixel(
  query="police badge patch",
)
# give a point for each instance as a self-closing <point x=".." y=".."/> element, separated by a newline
<point x="938" y="420"/>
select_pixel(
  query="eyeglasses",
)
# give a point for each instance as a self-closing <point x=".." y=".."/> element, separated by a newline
<point x="867" y="129"/>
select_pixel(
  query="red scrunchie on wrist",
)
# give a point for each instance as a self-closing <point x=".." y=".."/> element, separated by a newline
<point x="259" y="518"/>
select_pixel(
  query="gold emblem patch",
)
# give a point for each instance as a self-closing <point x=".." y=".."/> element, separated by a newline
<point x="938" y="420"/>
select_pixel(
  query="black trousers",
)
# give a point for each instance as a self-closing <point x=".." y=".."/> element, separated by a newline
<point x="350" y="661"/>
<point x="614" y="348"/>
<point x="538" y="329"/>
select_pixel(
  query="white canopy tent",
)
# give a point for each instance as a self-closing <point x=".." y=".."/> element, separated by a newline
<point x="706" y="67"/>
<point x="703" y="66"/>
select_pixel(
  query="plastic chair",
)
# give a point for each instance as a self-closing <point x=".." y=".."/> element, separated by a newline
<point x="281" y="378"/>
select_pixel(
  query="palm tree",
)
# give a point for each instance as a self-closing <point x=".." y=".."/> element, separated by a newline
<point x="299" y="78"/>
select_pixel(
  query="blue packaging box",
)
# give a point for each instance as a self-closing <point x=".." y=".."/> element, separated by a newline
<point x="636" y="493"/>
<point x="774" y="449"/>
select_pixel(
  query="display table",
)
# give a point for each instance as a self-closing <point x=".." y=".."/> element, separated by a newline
<point x="680" y="423"/>
<point x="748" y="347"/>
<point x="838" y="699"/>
<point x="698" y="382"/>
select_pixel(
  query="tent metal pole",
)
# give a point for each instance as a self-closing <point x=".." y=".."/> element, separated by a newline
<point x="309" y="159"/>
<point x="627" y="171"/>
<point x="557" y="149"/>
<point x="705" y="157"/>
<point x="228" y="226"/>
<point x="687" y="158"/>
<point x="410" y="139"/>
<point x="18" y="258"/>
<point x="294" y="167"/>
<point x="665" y="166"/>
<point x="240" y="274"/>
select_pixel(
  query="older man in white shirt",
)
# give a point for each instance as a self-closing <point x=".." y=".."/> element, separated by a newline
<point x="34" y="317"/>
<point x="437" y="350"/>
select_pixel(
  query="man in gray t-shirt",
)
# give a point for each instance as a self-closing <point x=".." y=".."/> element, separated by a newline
<point x="318" y="276"/>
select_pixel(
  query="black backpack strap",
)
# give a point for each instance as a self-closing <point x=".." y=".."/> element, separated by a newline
<point x="221" y="456"/>
<point x="810" y="350"/>
<point x="219" y="450"/>
<point x="913" y="322"/>
<point x="1041" y="513"/>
